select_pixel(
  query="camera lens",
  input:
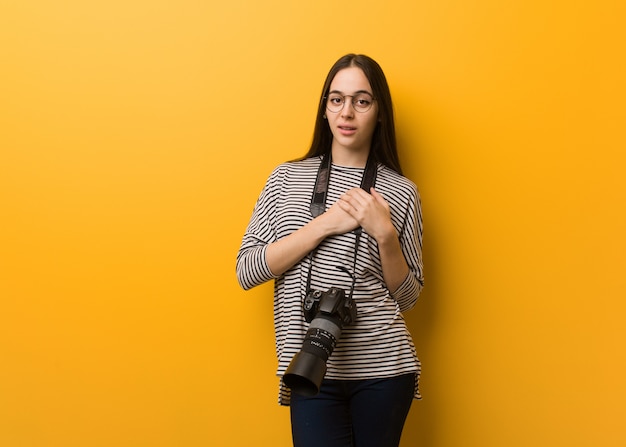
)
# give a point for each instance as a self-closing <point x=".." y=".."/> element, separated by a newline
<point x="308" y="367"/>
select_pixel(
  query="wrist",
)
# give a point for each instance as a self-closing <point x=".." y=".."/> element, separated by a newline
<point x="323" y="226"/>
<point x="318" y="230"/>
<point x="387" y="237"/>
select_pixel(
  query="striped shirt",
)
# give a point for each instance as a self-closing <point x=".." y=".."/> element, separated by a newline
<point x="378" y="343"/>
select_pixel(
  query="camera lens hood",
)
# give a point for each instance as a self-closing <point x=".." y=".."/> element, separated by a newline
<point x="305" y="374"/>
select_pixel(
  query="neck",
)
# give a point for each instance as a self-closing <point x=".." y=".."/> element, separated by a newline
<point x="356" y="159"/>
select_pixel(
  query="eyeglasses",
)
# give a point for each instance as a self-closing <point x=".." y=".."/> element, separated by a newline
<point x="361" y="102"/>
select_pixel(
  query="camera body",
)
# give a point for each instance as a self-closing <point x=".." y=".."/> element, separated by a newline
<point x="327" y="312"/>
<point x="332" y="302"/>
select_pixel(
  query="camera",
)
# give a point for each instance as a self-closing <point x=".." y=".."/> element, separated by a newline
<point x="327" y="312"/>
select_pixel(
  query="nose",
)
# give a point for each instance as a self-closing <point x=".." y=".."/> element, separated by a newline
<point x="348" y="108"/>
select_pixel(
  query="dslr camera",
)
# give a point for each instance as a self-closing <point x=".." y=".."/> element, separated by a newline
<point x="328" y="312"/>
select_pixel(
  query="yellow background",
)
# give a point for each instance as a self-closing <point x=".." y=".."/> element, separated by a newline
<point x="135" y="137"/>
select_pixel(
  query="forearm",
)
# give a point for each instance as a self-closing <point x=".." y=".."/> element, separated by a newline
<point x="395" y="267"/>
<point x="288" y="251"/>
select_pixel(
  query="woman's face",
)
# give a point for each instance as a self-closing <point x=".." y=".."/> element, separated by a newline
<point x="352" y="128"/>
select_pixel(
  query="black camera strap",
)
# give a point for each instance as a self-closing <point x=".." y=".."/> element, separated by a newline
<point x="318" y="206"/>
<point x="320" y="191"/>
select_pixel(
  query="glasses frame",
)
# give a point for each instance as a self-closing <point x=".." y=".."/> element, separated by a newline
<point x="343" y="104"/>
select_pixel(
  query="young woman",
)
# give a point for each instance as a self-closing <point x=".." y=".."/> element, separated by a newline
<point x="366" y="243"/>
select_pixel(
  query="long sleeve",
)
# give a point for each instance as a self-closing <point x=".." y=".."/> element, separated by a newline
<point x="411" y="242"/>
<point x="252" y="269"/>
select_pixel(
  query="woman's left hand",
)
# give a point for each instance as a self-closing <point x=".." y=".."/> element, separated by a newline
<point x="371" y="211"/>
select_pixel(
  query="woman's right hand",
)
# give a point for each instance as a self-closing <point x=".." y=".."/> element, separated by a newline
<point x="337" y="221"/>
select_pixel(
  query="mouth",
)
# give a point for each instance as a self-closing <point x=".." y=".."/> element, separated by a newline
<point x="346" y="130"/>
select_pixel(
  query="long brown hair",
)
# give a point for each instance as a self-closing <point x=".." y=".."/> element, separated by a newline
<point x="383" y="148"/>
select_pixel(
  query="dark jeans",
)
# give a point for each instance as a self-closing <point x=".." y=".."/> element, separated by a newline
<point x="353" y="413"/>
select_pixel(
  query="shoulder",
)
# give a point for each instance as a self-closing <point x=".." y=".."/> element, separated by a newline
<point x="293" y="174"/>
<point x="294" y="170"/>
<point x="297" y="166"/>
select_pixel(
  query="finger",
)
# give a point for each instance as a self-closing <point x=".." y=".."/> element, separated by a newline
<point x="363" y="195"/>
<point x="348" y="205"/>
<point x="355" y="196"/>
<point x="378" y="196"/>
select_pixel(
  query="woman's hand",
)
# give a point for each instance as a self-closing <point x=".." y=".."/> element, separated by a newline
<point x="370" y="211"/>
<point x="336" y="220"/>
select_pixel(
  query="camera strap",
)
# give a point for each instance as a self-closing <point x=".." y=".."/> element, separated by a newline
<point x="318" y="206"/>
<point x="320" y="191"/>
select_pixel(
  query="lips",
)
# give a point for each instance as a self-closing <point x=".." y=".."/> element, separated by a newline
<point x="346" y="130"/>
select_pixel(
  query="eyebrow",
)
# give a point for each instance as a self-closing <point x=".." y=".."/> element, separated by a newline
<point x="356" y="93"/>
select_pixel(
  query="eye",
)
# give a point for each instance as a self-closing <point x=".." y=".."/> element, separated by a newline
<point x="335" y="99"/>
<point x="362" y="101"/>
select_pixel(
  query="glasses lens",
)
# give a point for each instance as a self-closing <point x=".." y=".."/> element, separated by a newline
<point x="334" y="102"/>
<point x="361" y="102"/>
